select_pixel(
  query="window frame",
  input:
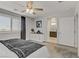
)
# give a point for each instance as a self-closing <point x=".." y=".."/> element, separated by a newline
<point x="11" y="23"/>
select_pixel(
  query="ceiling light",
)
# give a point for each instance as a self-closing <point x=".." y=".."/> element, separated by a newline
<point x="27" y="10"/>
<point x="53" y="23"/>
<point x="30" y="11"/>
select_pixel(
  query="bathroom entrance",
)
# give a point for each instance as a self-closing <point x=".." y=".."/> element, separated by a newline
<point x="52" y="28"/>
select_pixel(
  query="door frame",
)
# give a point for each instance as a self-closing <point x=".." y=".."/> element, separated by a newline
<point x="48" y="33"/>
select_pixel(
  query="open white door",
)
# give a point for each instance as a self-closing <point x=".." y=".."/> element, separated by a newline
<point x="66" y="31"/>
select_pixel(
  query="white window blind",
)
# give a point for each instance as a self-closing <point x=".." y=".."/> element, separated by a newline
<point x="5" y="23"/>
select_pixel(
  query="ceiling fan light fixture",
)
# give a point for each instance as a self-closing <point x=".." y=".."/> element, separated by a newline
<point x="27" y="10"/>
<point x="53" y="24"/>
<point x="30" y="11"/>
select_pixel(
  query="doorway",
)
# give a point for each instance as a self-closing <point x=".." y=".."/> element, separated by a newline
<point x="52" y="29"/>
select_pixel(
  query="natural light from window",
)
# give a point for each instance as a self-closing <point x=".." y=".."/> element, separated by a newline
<point x="4" y="23"/>
<point x="9" y="24"/>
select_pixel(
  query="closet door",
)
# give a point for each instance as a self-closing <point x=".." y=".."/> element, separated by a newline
<point x="66" y="31"/>
<point x="23" y="28"/>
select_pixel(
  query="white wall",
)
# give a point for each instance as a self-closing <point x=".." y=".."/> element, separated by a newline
<point x="66" y="31"/>
<point x="53" y="28"/>
<point x="29" y="25"/>
<point x="44" y="26"/>
<point x="4" y="36"/>
<point x="77" y="13"/>
<point x="76" y="28"/>
<point x="43" y="20"/>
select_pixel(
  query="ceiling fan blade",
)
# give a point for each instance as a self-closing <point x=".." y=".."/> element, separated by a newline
<point x="39" y="9"/>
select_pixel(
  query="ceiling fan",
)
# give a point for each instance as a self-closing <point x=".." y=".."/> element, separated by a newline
<point x="30" y="8"/>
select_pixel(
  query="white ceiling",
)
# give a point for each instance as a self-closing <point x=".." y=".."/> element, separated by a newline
<point x="51" y="8"/>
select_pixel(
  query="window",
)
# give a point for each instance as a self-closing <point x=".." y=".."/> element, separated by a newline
<point x="5" y="23"/>
<point x="9" y="24"/>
